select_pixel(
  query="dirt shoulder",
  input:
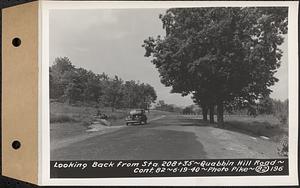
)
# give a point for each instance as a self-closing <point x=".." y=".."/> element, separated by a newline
<point x="64" y="134"/>
<point x="222" y="143"/>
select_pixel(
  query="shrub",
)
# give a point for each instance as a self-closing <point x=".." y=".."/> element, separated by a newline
<point x="283" y="148"/>
<point x="283" y="118"/>
<point x="281" y="111"/>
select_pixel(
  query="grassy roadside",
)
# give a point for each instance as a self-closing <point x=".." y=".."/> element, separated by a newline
<point x="63" y="113"/>
<point x="263" y="125"/>
<point x="67" y="121"/>
<point x="267" y="126"/>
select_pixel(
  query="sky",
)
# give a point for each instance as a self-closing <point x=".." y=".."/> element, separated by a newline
<point x="110" y="41"/>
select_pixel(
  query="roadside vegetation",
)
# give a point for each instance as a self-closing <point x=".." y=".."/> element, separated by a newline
<point x="70" y="120"/>
<point x="162" y="106"/>
<point x="80" y="87"/>
<point x="268" y="119"/>
<point x="226" y="58"/>
<point x="84" y="115"/>
<point x="78" y="95"/>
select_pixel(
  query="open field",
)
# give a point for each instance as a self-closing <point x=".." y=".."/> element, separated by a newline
<point x="67" y="121"/>
<point x="61" y="113"/>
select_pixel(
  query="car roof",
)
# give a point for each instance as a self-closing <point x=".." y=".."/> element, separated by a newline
<point x="136" y="111"/>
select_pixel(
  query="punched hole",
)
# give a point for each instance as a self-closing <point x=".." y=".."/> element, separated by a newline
<point x="16" y="144"/>
<point x="16" y="42"/>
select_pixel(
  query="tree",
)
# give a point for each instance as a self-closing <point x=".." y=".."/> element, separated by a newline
<point x="130" y="94"/>
<point x="93" y="85"/>
<point x="113" y="93"/>
<point x="138" y="95"/>
<point x="231" y="54"/>
<point x="147" y="95"/>
<point x="56" y="72"/>
<point x="61" y="65"/>
<point x="161" y="105"/>
<point x="72" y="85"/>
<point x="188" y="110"/>
<point x="281" y="110"/>
<point x="265" y="106"/>
<point x="206" y="102"/>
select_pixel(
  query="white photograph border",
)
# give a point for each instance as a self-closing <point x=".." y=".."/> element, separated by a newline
<point x="44" y="127"/>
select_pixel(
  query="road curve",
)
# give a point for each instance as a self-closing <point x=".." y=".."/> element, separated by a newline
<point x="168" y="137"/>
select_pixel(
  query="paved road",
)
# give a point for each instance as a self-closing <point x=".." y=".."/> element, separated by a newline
<point x="172" y="137"/>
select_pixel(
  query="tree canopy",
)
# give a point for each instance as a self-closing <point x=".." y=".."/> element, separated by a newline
<point x="222" y="56"/>
<point x="78" y="85"/>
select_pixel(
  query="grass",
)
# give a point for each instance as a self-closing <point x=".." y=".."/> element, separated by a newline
<point x="263" y="125"/>
<point x="84" y="115"/>
<point x="69" y="121"/>
<point x="55" y="118"/>
<point x="65" y="113"/>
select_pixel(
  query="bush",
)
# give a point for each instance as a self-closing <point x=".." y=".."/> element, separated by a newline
<point x="281" y="111"/>
<point x="283" y="148"/>
<point x="283" y="118"/>
<point x="54" y="118"/>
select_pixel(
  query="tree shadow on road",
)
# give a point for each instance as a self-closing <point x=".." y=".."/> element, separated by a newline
<point x="193" y="122"/>
<point x="135" y="144"/>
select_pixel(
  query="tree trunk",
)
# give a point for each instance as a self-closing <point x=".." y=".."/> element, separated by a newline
<point x="220" y="113"/>
<point x="204" y="112"/>
<point x="211" y="114"/>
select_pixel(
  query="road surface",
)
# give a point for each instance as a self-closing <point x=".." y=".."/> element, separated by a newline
<point x="169" y="137"/>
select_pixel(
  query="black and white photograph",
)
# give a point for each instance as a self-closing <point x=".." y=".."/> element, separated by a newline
<point x="198" y="84"/>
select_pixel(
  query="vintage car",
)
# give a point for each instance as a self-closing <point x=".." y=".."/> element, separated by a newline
<point x="137" y="116"/>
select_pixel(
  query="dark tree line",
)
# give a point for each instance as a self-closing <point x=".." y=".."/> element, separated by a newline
<point x="77" y="85"/>
<point x="224" y="57"/>
<point x="278" y="108"/>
